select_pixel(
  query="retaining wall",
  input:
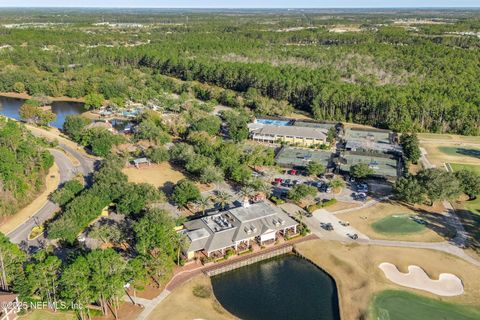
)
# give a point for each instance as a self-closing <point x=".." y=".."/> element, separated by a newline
<point x="248" y="261"/>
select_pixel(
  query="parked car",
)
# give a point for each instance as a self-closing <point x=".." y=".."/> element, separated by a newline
<point x="293" y="172"/>
<point x="344" y="223"/>
<point x="317" y="184"/>
<point x="362" y="187"/>
<point x="361" y="196"/>
<point x="326" y="226"/>
<point x="287" y="183"/>
<point x="295" y="182"/>
<point x="279" y="180"/>
<point x="325" y="188"/>
<point x="353" y="236"/>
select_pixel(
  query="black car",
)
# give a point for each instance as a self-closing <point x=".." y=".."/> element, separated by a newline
<point x="326" y="226"/>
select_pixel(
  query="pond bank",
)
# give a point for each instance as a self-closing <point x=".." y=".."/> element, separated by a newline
<point x="26" y="96"/>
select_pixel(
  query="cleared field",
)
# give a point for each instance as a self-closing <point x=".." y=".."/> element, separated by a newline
<point x="401" y="223"/>
<point x="448" y="148"/>
<point x="391" y="304"/>
<point x="448" y="137"/>
<point x="440" y="153"/>
<point x="381" y="222"/>
<point x="355" y="269"/>
<point x="459" y="166"/>
<point x="160" y="175"/>
<point x="183" y="304"/>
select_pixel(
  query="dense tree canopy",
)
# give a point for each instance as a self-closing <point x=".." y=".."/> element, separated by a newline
<point x="383" y="74"/>
<point x="24" y="163"/>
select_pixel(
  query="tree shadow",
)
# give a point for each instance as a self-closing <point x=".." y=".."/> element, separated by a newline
<point x="471" y="223"/>
<point x="168" y="188"/>
<point x="469" y="152"/>
<point x="437" y="222"/>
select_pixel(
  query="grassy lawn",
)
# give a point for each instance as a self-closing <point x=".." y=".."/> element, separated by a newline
<point x="183" y="303"/>
<point x="449" y="137"/>
<point x="469" y="167"/>
<point x="160" y="175"/>
<point x="460" y="151"/>
<point x="378" y="222"/>
<point x="397" y="223"/>
<point x="47" y="315"/>
<point x="392" y="305"/>
<point x="473" y="205"/>
<point x="355" y="270"/>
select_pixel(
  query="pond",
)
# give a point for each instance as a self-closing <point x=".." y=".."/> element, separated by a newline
<point x="286" y="287"/>
<point x="9" y="107"/>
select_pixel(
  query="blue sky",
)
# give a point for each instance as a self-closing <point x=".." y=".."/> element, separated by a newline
<point x="240" y="3"/>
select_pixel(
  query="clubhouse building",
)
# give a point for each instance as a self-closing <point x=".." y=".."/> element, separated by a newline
<point x="237" y="229"/>
<point x="288" y="134"/>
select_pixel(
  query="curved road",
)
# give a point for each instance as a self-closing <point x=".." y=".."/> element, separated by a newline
<point x="67" y="171"/>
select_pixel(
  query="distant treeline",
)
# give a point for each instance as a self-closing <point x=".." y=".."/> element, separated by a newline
<point x="418" y="77"/>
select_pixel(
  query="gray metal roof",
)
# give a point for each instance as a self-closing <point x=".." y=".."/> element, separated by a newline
<point x="244" y="223"/>
<point x="294" y="131"/>
<point x="253" y="212"/>
<point x="298" y="157"/>
<point x="198" y="234"/>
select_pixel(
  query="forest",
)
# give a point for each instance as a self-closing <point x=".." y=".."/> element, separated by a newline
<point x="24" y="164"/>
<point x="406" y="71"/>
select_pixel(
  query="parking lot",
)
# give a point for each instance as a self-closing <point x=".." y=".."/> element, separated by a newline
<point x="352" y="193"/>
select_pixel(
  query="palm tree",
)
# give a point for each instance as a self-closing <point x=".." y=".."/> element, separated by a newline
<point x="222" y="198"/>
<point x="263" y="187"/>
<point x="203" y="202"/>
<point x="246" y="192"/>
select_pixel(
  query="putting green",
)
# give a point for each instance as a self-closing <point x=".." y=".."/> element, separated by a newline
<point x="401" y="305"/>
<point x="398" y="224"/>
<point x="469" y="167"/>
<point x="461" y="151"/>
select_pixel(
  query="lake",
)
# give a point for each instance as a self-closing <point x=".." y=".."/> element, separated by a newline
<point x="9" y="107"/>
<point x="286" y="287"/>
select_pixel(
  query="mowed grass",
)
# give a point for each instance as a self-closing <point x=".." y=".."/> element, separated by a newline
<point x="401" y="305"/>
<point x="460" y="151"/>
<point x="397" y="224"/>
<point x="47" y="315"/>
<point x="468" y="167"/>
<point x="473" y="206"/>
<point x="449" y="137"/>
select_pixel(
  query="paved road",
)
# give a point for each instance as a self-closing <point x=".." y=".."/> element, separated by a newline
<point x="67" y="171"/>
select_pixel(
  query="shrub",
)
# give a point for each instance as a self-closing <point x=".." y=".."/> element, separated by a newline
<point x="202" y="291"/>
<point x="321" y="204"/>
<point x="276" y="200"/>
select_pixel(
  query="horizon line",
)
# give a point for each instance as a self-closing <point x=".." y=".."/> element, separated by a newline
<point x="214" y="7"/>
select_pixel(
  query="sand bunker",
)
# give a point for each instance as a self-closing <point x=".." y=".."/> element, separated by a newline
<point x="447" y="285"/>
